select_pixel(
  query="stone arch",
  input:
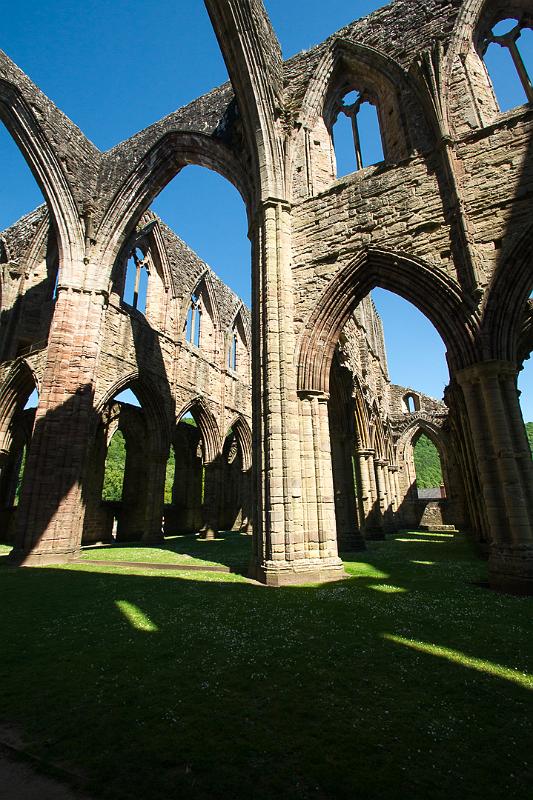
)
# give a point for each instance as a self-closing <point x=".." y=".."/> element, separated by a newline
<point x="157" y="419"/>
<point x="506" y="303"/>
<point x="157" y="167"/>
<point x="207" y="425"/>
<point x="32" y="141"/>
<point x="16" y="389"/>
<point x="243" y="433"/>
<point x="431" y="290"/>
<point x="415" y="428"/>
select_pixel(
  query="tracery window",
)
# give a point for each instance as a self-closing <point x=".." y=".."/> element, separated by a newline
<point x="507" y="50"/>
<point x="193" y="323"/>
<point x="356" y="133"/>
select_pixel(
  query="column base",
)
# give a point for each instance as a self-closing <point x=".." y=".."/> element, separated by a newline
<point x="511" y="569"/>
<point x="297" y="573"/>
<point x="36" y="558"/>
<point x="208" y="534"/>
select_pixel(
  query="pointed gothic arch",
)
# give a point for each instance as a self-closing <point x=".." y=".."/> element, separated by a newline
<point x="431" y="290"/>
<point x="38" y="151"/>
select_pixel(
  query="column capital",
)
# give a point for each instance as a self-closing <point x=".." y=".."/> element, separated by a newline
<point x="364" y="452"/>
<point x="486" y="369"/>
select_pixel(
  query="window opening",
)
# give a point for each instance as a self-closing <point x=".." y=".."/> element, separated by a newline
<point x="507" y="50"/>
<point x="232" y="355"/>
<point x="194" y="321"/>
<point x="428" y="468"/>
<point x="33" y="400"/>
<point x="364" y="137"/>
<point x="115" y="465"/>
<point x="20" y="476"/>
<point x="56" y="283"/>
<point x="411" y="403"/>
<point x="136" y="285"/>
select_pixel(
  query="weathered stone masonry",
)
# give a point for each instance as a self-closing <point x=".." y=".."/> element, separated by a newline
<point x="444" y="221"/>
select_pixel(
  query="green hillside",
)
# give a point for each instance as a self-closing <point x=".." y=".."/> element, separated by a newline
<point x="427" y="464"/>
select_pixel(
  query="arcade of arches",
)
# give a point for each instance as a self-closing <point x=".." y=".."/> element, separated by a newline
<point x="299" y="437"/>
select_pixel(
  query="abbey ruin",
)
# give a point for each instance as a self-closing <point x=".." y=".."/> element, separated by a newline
<point x="300" y="439"/>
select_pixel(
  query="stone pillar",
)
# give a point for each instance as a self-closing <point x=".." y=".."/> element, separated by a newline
<point x="285" y="552"/>
<point x="50" y="514"/>
<point x="319" y="544"/>
<point x="213" y="492"/>
<point x="381" y="489"/>
<point x="505" y="470"/>
<point x="348" y="534"/>
<point x="397" y="492"/>
<point x="155" y="497"/>
<point x="371" y="512"/>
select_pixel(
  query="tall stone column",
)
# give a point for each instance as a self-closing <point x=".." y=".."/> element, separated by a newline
<point x="50" y="514"/>
<point x="285" y="550"/>
<point x="373" y="520"/>
<point x="213" y="482"/>
<point x="382" y="499"/>
<point x="155" y="497"/>
<point x="348" y="534"/>
<point x="505" y="470"/>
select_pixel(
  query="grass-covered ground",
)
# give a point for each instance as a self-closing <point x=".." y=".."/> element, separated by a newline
<point x="230" y="550"/>
<point x="408" y="680"/>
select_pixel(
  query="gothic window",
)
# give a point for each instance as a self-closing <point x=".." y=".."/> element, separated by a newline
<point x="136" y="283"/>
<point x="356" y="133"/>
<point x="193" y="323"/>
<point x="507" y="50"/>
<point x="232" y="353"/>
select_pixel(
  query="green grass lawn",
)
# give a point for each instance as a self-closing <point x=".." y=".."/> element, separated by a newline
<point x="229" y="550"/>
<point x="408" y="680"/>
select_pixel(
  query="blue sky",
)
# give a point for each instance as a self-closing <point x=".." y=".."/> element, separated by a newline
<point x="116" y="66"/>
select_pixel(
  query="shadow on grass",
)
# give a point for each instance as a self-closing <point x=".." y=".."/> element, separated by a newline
<point x="230" y="549"/>
<point x="384" y="685"/>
